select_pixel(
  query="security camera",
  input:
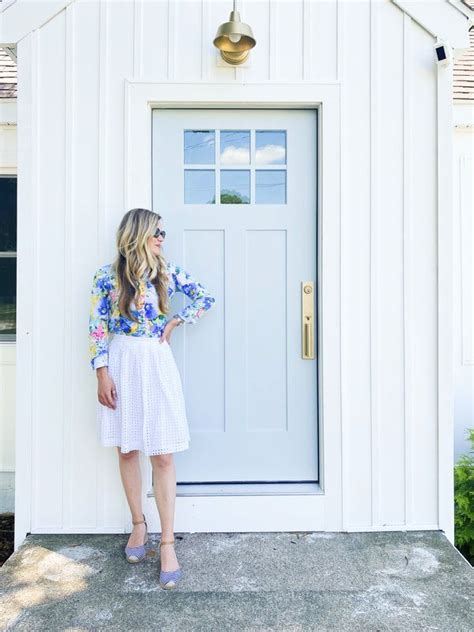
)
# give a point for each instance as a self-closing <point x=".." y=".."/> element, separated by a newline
<point x="443" y="53"/>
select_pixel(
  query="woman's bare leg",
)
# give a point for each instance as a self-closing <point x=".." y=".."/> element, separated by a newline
<point x="164" y="488"/>
<point x="130" y="473"/>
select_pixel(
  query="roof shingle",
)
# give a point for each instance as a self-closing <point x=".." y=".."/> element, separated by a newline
<point x="7" y="76"/>
<point x="463" y="74"/>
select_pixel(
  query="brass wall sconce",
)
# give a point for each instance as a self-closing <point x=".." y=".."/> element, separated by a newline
<point x="234" y="39"/>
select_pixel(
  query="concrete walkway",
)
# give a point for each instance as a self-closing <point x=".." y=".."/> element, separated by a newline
<point x="406" y="581"/>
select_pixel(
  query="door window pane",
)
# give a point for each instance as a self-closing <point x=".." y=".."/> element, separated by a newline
<point x="199" y="186"/>
<point x="270" y="186"/>
<point x="270" y="147"/>
<point x="7" y="295"/>
<point x="235" y="186"/>
<point x="235" y="147"/>
<point x="235" y="150"/>
<point x="199" y="147"/>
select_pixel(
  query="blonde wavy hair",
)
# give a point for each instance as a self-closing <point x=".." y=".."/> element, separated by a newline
<point x="134" y="259"/>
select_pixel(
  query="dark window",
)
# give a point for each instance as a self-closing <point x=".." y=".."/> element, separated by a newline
<point x="8" y="221"/>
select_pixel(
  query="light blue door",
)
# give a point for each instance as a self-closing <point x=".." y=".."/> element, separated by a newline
<point x="237" y="190"/>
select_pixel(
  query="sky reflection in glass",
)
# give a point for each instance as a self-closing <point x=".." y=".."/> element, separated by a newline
<point x="270" y="186"/>
<point x="199" y="147"/>
<point x="270" y="147"/>
<point x="235" y="186"/>
<point x="199" y="186"/>
<point x="235" y="147"/>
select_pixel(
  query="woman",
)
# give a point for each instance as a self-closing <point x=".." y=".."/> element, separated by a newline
<point x="140" y="398"/>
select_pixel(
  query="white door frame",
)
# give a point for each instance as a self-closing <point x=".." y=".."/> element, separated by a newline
<point x="321" y="511"/>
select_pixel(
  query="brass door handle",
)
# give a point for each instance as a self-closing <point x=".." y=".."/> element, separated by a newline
<point x="307" y="319"/>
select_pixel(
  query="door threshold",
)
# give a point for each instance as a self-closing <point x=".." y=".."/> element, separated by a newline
<point x="248" y="489"/>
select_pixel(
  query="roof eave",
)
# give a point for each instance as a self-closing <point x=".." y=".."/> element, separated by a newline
<point x="20" y="17"/>
<point x="450" y="21"/>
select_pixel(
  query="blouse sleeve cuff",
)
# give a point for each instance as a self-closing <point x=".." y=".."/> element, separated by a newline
<point x="101" y="361"/>
<point x="180" y="316"/>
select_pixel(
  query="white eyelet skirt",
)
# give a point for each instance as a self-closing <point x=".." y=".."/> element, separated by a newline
<point x="150" y="413"/>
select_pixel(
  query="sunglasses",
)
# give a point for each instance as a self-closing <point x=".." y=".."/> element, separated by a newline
<point x="160" y="232"/>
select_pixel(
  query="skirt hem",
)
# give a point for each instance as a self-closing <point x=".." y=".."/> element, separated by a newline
<point x="141" y="449"/>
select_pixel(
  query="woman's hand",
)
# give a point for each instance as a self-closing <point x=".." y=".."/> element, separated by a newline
<point x="175" y="322"/>
<point x="106" y="391"/>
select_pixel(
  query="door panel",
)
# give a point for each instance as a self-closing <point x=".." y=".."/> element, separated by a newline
<point x="237" y="192"/>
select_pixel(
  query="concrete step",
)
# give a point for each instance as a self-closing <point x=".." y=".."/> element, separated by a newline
<point x="414" y="580"/>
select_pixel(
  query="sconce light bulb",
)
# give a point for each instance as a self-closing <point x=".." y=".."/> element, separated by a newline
<point x="235" y="37"/>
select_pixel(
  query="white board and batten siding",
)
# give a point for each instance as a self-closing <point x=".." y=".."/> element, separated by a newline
<point x="463" y="227"/>
<point x="384" y="417"/>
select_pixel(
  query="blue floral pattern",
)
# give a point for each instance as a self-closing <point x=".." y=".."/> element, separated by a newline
<point x="105" y="317"/>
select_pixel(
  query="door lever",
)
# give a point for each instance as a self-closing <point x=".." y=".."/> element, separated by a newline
<point x="307" y="320"/>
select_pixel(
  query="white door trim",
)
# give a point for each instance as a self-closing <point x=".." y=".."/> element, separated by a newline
<point x="323" y="511"/>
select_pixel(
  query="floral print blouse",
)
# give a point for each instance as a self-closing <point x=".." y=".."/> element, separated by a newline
<point x="105" y="317"/>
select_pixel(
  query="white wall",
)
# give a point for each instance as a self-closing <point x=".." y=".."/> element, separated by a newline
<point x="463" y="216"/>
<point x="73" y="72"/>
<point x="389" y="284"/>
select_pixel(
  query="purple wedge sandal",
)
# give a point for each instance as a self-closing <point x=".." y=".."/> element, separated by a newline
<point x="169" y="579"/>
<point x="136" y="554"/>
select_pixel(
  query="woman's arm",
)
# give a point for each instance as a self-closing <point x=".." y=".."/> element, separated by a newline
<point x="99" y="320"/>
<point x="201" y="299"/>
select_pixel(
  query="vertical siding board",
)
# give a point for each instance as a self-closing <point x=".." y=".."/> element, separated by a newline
<point x="287" y="41"/>
<point x="83" y="166"/>
<point x="273" y="39"/>
<point x="208" y="50"/>
<point x="103" y="467"/>
<point x="120" y="46"/>
<point x="374" y="480"/>
<point x="408" y="266"/>
<point x="155" y="43"/>
<point x="325" y="46"/>
<point x="257" y="14"/>
<point x="138" y="10"/>
<point x="424" y="278"/>
<point x="69" y="480"/>
<point x="186" y="40"/>
<point x="389" y="263"/>
<point x="444" y="299"/>
<point x="27" y="272"/>
<point x="172" y="45"/>
<point x="49" y="370"/>
<point x="355" y="247"/>
<point x="117" y="63"/>
<point x="321" y="40"/>
<point x="102" y="108"/>
<point x="308" y="40"/>
<point x="214" y="14"/>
